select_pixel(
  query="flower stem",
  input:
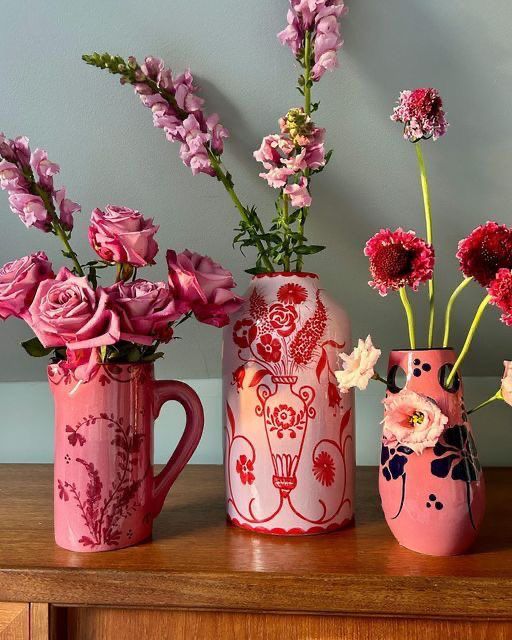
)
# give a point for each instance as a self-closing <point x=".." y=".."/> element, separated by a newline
<point x="307" y="73"/>
<point x="410" y="316"/>
<point x="307" y="108"/>
<point x="286" y="229"/>
<point x="449" y="309"/>
<point x="228" y="185"/>
<point x="57" y="227"/>
<point x="469" y="339"/>
<point x="496" y="396"/>
<point x="428" y="220"/>
<point x="378" y="377"/>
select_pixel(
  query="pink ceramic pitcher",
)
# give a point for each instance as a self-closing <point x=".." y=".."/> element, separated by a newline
<point x="434" y="502"/>
<point x="106" y="495"/>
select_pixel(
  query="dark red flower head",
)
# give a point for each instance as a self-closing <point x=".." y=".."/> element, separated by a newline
<point x="421" y="112"/>
<point x="500" y="291"/>
<point x="398" y="258"/>
<point x="485" y="251"/>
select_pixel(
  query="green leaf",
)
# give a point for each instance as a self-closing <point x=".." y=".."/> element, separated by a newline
<point x="35" y="349"/>
<point x="255" y="270"/>
<point x="307" y="250"/>
<point x="153" y="356"/>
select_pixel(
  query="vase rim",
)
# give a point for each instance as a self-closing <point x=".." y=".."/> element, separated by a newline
<point x="286" y="274"/>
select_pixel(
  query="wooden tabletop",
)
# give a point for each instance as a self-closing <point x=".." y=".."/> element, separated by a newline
<point x="196" y="560"/>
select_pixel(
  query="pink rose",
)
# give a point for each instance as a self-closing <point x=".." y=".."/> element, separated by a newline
<point x="19" y="280"/>
<point x="413" y="420"/>
<point x="204" y="285"/>
<point x="31" y="210"/>
<point x="68" y="311"/>
<point x="123" y="235"/>
<point x="146" y="310"/>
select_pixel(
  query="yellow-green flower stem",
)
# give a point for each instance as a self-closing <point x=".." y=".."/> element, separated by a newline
<point x="307" y="108"/>
<point x="469" y="339"/>
<point x="449" y="309"/>
<point x="379" y="378"/>
<point x="410" y="317"/>
<point x="428" y="220"/>
<point x="496" y="396"/>
<point x="222" y="176"/>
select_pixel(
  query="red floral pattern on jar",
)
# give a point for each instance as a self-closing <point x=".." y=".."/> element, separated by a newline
<point x="245" y="468"/>
<point x="283" y="318"/>
<point x="292" y="294"/>
<point x="269" y="348"/>
<point x="324" y="469"/>
<point x="244" y="333"/>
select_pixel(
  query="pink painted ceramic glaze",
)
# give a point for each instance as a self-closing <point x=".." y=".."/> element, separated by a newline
<point x="106" y="495"/>
<point x="289" y="434"/>
<point x="434" y="502"/>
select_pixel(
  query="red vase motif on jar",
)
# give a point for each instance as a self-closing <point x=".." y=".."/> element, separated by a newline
<point x="289" y="433"/>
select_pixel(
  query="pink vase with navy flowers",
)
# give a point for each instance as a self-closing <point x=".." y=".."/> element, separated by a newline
<point x="289" y="433"/>
<point x="106" y="494"/>
<point x="433" y="501"/>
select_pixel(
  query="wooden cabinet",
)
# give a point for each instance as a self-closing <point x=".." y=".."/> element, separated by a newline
<point x="14" y="621"/>
<point x="200" y="578"/>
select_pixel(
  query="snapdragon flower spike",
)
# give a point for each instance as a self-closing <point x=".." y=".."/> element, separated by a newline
<point x="422" y="114"/>
<point x="176" y="107"/>
<point x="321" y="19"/>
<point x="287" y="155"/>
<point x="28" y="179"/>
<point x="398" y="259"/>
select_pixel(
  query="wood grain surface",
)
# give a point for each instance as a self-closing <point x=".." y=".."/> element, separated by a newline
<point x="112" y="624"/>
<point x="14" y="622"/>
<point x="197" y="561"/>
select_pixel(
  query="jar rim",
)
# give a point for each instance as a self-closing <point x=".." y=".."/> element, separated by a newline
<point x="286" y="274"/>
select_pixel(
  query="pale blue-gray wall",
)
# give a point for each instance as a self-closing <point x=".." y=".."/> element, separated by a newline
<point x="109" y="152"/>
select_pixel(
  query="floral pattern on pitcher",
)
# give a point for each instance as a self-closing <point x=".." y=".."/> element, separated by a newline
<point x="104" y="514"/>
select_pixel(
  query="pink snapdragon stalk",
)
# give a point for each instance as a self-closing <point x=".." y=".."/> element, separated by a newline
<point x="28" y="179"/>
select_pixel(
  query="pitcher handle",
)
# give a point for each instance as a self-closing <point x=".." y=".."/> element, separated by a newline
<point x="165" y="390"/>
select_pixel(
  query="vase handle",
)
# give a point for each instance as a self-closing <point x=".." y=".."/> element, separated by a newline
<point x="165" y="390"/>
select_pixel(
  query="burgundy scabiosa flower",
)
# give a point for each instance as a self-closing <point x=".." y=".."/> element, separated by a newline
<point x="422" y="114"/>
<point x="500" y="291"/>
<point x="485" y="251"/>
<point x="398" y="258"/>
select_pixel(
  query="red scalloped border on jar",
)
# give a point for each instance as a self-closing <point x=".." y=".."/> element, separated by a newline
<point x="296" y="531"/>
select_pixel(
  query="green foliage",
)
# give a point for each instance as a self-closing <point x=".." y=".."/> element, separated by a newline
<point x="35" y="349"/>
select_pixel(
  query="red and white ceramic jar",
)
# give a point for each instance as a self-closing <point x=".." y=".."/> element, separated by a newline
<point x="106" y="494"/>
<point x="434" y="502"/>
<point x="289" y="433"/>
